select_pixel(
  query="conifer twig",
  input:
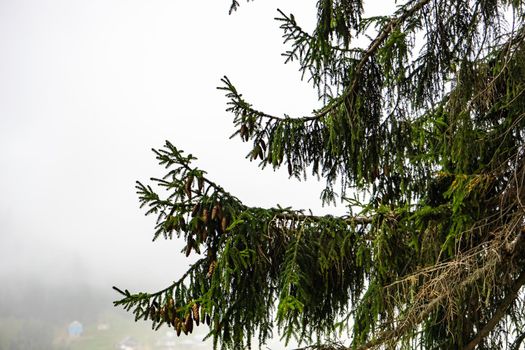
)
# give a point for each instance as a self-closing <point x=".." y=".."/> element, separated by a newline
<point x="499" y="313"/>
<point x="369" y="52"/>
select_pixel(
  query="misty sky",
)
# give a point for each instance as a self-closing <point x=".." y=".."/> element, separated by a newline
<point x="87" y="88"/>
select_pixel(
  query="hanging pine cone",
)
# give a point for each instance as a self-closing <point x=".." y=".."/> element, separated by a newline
<point x="201" y="183"/>
<point x="195" y="311"/>
<point x="188" y="323"/>
<point x="187" y="186"/>
<point x="195" y="209"/>
<point x="205" y="216"/>
<point x="224" y="224"/>
<point x="178" y="326"/>
<point x="215" y="211"/>
<point x="211" y="269"/>
<point x="189" y="246"/>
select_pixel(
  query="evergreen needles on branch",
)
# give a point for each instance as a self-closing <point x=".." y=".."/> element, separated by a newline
<point x="427" y="122"/>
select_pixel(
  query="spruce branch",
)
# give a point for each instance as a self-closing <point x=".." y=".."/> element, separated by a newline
<point x="499" y="313"/>
<point x="299" y="216"/>
<point x="387" y="29"/>
<point x="443" y="283"/>
<point x="234" y="6"/>
<point x="251" y="238"/>
<point x="432" y="147"/>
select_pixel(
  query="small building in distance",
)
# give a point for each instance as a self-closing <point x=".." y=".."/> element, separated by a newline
<point x="128" y="343"/>
<point x="102" y="327"/>
<point x="75" y="329"/>
<point x="168" y="342"/>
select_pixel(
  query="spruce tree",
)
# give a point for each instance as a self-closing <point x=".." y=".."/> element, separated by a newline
<point x="422" y="136"/>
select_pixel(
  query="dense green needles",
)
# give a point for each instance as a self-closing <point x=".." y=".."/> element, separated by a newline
<point x="427" y="123"/>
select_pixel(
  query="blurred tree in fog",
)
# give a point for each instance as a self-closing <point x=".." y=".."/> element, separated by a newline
<point x="27" y="334"/>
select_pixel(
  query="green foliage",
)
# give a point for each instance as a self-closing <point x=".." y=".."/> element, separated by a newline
<point x="244" y="248"/>
<point x="434" y="141"/>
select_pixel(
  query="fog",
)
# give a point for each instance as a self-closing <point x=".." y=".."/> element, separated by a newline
<point x="87" y="88"/>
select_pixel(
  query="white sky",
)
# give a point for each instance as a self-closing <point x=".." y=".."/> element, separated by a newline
<point x="87" y="88"/>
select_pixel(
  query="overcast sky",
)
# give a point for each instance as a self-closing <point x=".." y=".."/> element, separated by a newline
<point x="87" y="88"/>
